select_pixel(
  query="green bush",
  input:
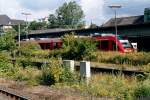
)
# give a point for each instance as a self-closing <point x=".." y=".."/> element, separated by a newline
<point x="68" y="76"/>
<point x="5" y="63"/>
<point x="46" y="78"/>
<point x="51" y="73"/>
<point x="77" y="48"/>
<point x="27" y="48"/>
<point x="7" y="41"/>
<point x="142" y="89"/>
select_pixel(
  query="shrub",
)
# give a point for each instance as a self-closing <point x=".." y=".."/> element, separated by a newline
<point x="27" y="48"/>
<point x="46" y="78"/>
<point x="7" y="41"/>
<point x="5" y="63"/>
<point x="77" y="48"/>
<point x="142" y="89"/>
<point x="68" y="76"/>
<point x="51" y="73"/>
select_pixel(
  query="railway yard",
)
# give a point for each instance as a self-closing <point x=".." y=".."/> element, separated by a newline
<point x="35" y="74"/>
<point x="12" y="90"/>
<point x="66" y="50"/>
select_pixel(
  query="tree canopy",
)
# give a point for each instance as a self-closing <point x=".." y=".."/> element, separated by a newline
<point x="53" y="22"/>
<point x="7" y="41"/>
<point x="34" y="25"/>
<point x="69" y="15"/>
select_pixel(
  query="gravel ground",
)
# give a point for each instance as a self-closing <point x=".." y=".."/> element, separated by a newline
<point x="44" y="92"/>
<point x="2" y="97"/>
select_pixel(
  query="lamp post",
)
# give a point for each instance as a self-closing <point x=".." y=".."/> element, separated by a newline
<point x="115" y="7"/>
<point x="26" y="15"/>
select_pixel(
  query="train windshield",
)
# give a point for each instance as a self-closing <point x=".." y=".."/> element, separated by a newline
<point x="126" y="44"/>
<point x="119" y="37"/>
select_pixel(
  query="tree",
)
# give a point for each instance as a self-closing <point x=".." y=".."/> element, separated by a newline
<point x="53" y="22"/>
<point x="22" y="28"/>
<point x="7" y="41"/>
<point x="69" y="15"/>
<point x="37" y="25"/>
<point x="77" y="48"/>
<point x="93" y="25"/>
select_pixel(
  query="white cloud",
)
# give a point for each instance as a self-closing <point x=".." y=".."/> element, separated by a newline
<point x="10" y="7"/>
<point x="40" y="4"/>
<point x="13" y="9"/>
<point x="93" y="10"/>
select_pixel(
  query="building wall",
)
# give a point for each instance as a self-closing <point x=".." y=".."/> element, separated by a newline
<point x="7" y="27"/>
<point x="139" y="35"/>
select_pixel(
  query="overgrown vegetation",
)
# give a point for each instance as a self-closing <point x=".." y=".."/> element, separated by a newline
<point x="77" y="48"/>
<point x="69" y="15"/>
<point x="135" y="59"/>
<point x="7" y="41"/>
<point x="54" y="74"/>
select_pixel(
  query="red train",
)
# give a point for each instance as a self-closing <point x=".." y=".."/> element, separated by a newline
<point x="52" y="43"/>
<point x="109" y="42"/>
<point x="106" y="42"/>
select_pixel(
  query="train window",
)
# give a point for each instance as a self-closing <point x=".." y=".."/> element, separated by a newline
<point x="55" y="45"/>
<point x="47" y="45"/>
<point x="113" y="46"/>
<point x="126" y="45"/>
<point x="42" y="45"/>
<point x="105" y="45"/>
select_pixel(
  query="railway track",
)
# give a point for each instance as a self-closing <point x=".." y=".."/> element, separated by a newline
<point x="113" y="70"/>
<point x="101" y="69"/>
<point x="10" y="94"/>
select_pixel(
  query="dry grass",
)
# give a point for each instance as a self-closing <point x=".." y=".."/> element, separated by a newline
<point x="134" y="59"/>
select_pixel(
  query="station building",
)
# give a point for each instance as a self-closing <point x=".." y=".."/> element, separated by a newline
<point x="135" y="28"/>
<point x="8" y="23"/>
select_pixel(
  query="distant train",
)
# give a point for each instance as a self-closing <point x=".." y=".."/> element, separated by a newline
<point x="109" y="42"/>
<point x="106" y="42"/>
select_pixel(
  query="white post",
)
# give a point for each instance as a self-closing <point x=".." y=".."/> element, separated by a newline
<point x="69" y="64"/>
<point x="85" y="70"/>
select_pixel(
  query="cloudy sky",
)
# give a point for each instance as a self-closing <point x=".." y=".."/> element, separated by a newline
<point x="96" y="11"/>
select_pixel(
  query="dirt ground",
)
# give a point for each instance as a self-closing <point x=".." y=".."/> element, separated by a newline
<point x="45" y="92"/>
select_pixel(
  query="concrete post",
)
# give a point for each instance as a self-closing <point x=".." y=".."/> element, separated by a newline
<point x="85" y="70"/>
<point x="69" y="64"/>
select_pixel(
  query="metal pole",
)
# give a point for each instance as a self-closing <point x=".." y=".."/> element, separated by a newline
<point x="116" y="29"/>
<point x="19" y="34"/>
<point x="115" y="7"/>
<point x="26" y="15"/>
<point x="26" y="28"/>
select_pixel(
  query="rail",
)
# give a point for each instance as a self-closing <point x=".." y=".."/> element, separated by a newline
<point x="105" y="69"/>
<point x="11" y="94"/>
<point x="98" y="69"/>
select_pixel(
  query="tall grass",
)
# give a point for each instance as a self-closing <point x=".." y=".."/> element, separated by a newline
<point x="135" y="59"/>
